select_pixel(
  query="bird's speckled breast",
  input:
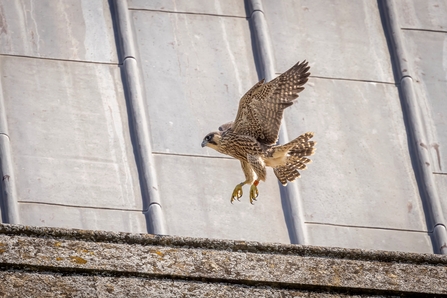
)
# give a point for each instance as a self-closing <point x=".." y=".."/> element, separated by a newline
<point x="239" y="146"/>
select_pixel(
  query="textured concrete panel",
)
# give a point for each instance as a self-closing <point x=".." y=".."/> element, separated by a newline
<point x="196" y="195"/>
<point x="70" y="138"/>
<point x="340" y="39"/>
<point x="61" y="29"/>
<point x="362" y="173"/>
<point x="76" y="217"/>
<point x="365" y="238"/>
<point x="193" y="77"/>
<point x="69" y="133"/>
<point x="127" y="256"/>
<point x="428" y="14"/>
<point x="441" y="184"/>
<point x="430" y="75"/>
<point x="215" y="7"/>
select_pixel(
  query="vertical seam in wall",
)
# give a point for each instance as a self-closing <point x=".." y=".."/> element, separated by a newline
<point x="298" y="232"/>
<point x="416" y="125"/>
<point x="10" y="213"/>
<point x="140" y="118"/>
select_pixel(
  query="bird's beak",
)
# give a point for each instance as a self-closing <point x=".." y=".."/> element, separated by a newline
<point x="204" y="143"/>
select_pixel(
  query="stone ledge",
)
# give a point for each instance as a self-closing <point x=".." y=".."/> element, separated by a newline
<point x="97" y="257"/>
<point x="50" y="284"/>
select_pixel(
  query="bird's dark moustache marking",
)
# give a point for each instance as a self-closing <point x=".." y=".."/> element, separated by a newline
<point x="212" y="142"/>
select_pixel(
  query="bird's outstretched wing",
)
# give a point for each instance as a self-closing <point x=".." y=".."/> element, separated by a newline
<point x="261" y="108"/>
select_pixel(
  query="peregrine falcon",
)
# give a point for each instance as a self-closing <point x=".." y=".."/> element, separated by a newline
<point x="252" y="136"/>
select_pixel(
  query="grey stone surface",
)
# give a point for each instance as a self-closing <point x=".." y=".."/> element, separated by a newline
<point x="70" y="144"/>
<point x="196" y="201"/>
<point x="361" y="174"/>
<point x="80" y="217"/>
<point x="321" y="234"/>
<point x="430" y="76"/>
<point x="441" y="185"/>
<point x="70" y="140"/>
<point x="194" y="78"/>
<point x="59" y="29"/>
<point x="429" y="15"/>
<point x="419" y="126"/>
<point x="49" y="284"/>
<point x="134" y="260"/>
<point x="340" y="39"/>
<point x="214" y="7"/>
<point x="74" y="157"/>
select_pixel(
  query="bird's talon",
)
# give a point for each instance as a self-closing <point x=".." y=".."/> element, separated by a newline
<point x="237" y="193"/>
<point x="253" y="193"/>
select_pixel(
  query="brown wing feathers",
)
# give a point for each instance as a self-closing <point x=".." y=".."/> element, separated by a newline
<point x="261" y="108"/>
<point x="290" y="83"/>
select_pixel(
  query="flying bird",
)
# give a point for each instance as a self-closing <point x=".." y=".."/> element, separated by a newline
<point x="252" y="137"/>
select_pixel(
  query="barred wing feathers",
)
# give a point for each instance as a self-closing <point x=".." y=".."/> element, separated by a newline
<point x="261" y="108"/>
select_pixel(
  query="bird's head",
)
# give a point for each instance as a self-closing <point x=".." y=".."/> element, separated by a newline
<point x="212" y="140"/>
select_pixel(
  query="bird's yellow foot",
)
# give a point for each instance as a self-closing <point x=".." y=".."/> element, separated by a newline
<point x="254" y="191"/>
<point x="237" y="192"/>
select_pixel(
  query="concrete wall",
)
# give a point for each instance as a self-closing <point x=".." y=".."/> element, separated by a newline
<point x="103" y="106"/>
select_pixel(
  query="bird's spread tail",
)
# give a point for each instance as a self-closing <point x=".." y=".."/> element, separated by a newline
<point x="295" y="152"/>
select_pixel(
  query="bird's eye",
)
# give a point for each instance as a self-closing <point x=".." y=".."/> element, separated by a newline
<point x="208" y="137"/>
